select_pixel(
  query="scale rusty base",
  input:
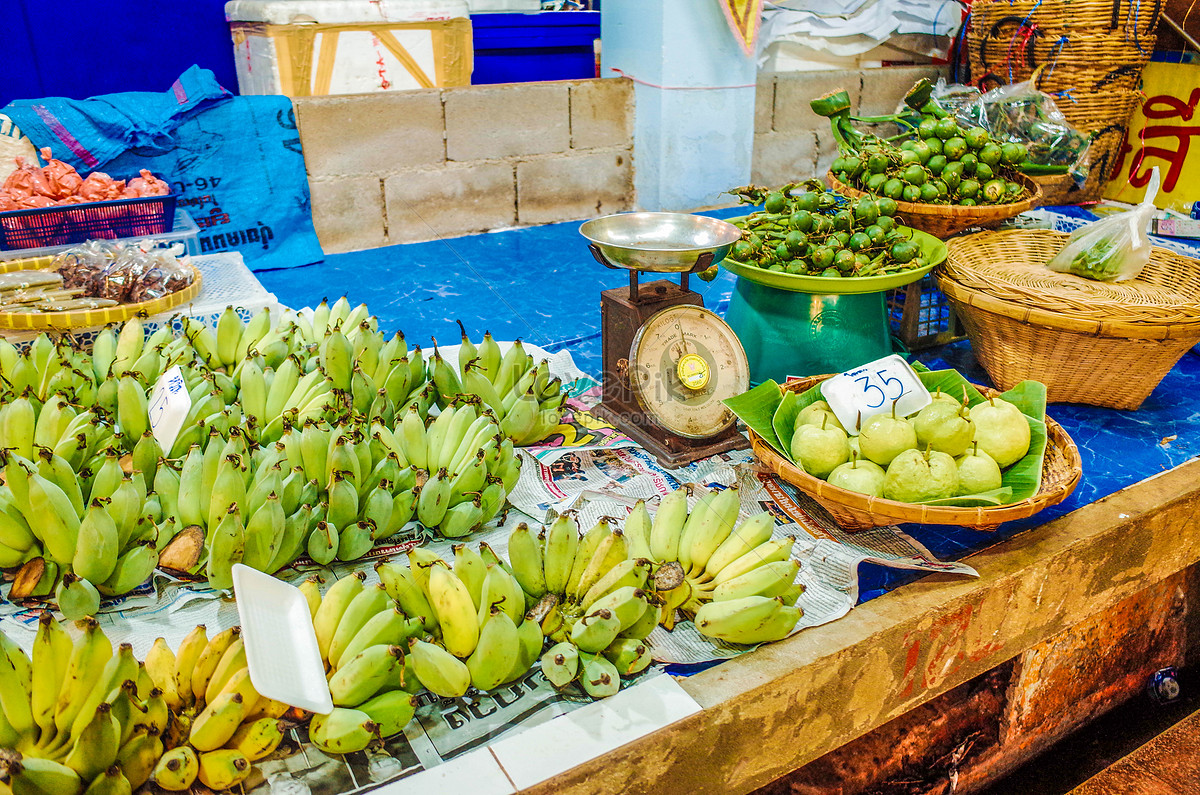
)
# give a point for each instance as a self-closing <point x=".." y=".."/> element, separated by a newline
<point x="671" y="451"/>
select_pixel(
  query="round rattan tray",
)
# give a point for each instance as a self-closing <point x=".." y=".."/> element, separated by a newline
<point x="44" y="321"/>
<point x="944" y="220"/>
<point x="1061" y="471"/>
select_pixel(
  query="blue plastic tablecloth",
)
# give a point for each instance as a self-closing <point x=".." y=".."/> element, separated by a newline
<point x="541" y="284"/>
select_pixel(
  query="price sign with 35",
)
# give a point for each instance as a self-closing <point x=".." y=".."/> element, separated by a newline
<point x="859" y="394"/>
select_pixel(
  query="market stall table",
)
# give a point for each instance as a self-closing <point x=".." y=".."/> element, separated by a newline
<point x="1107" y="563"/>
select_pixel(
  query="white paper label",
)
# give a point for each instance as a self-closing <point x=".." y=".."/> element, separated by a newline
<point x="169" y="406"/>
<point x="858" y="395"/>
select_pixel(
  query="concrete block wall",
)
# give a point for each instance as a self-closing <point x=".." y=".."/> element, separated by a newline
<point x="420" y="165"/>
<point x="791" y="142"/>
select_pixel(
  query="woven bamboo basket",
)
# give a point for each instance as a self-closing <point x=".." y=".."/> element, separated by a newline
<point x="1061" y="471"/>
<point x="944" y="220"/>
<point x="1088" y="53"/>
<point x="45" y="321"/>
<point x="1103" y="344"/>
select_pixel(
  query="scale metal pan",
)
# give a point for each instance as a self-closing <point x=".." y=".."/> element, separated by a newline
<point x="660" y="242"/>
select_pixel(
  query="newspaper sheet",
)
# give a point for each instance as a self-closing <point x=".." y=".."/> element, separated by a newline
<point x="589" y="468"/>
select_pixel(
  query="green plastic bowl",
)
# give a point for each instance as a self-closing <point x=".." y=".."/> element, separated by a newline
<point x="932" y="249"/>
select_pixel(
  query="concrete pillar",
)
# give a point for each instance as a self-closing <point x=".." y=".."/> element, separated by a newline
<point x="694" y="91"/>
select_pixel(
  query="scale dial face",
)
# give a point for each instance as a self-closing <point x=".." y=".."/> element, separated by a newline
<point x="683" y="362"/>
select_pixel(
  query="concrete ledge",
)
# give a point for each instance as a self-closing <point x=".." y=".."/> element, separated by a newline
<point x="770" y="712"/>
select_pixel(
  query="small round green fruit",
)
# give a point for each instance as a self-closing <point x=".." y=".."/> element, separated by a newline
<point x="819" y="450"/>
<point x="977" y="472"/>
<point x="914" y="476"/>
<point x="1001" y="431"/>
<point x="865" y="477"/>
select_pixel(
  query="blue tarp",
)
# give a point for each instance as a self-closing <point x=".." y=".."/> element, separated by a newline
<point x="235" y="163"/>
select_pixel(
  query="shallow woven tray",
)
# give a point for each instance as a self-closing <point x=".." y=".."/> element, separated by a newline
<point x="1011" y="265"/>
<point x="89" y="317"/>
<point x="944" y="220"/>
<point x="1093" y="348"/>
<point x="1061" y="471"/>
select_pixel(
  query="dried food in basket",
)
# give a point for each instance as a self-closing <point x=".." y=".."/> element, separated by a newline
<point x="939" y="162"/>
<point x="961" y="450"/>
<point x="808" y="229"/>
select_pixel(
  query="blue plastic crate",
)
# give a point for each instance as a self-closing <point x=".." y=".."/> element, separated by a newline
<point x="522" y="48"/>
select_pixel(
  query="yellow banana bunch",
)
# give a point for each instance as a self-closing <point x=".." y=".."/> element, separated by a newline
<point x="77" y="714"/>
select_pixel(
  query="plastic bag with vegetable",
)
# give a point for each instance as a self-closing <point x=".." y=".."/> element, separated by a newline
<point x="1112" y="249"/>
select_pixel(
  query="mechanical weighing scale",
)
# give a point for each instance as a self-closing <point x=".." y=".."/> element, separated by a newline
<point x="668" y="361"/>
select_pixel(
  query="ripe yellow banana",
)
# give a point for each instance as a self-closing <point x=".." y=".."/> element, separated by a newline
<point x="138" y="755"/>
<point x="746" y="536"/>
<point x="52" y="652"/>
<point x="160" y="665"/>
<point x="223" y="769"/>
<point x="342" y="731"/>
<point x="177" y="769"/>
<point x="335" y="602"/>
<point x="213" y="727"/>
<point x="439" y="671"/>
<point x="207" y="660"/>
<point x="89" y="657"/>
<point x="258" y="738"/>
<point x="456" y="612"/>
<point x="190" y="649"/>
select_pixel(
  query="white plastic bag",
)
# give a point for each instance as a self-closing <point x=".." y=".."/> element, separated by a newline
<point x="1112" y="249"/>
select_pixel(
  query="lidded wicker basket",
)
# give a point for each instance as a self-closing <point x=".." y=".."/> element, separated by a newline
<point x="1100" y="343"/>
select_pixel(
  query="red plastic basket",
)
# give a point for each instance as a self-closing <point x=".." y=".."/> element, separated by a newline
<point x="74" y="223"/>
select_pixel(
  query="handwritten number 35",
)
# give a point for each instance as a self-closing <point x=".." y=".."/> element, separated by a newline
<point x="881" y="396"/>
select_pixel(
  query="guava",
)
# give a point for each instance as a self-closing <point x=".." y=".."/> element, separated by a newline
<point x="816" y="413"/>
<point x="883" y="437"/>
<point x="865" y="477"/>
<point x="819" y="449"/>
<point x="977" y="472"/>
<point x="1001" y="431"/>
<point x="915" y="476"/>
<point x="944" y="426"/>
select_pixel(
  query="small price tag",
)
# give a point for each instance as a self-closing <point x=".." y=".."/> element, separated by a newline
<point x="169" y="406"/>
<point x="872" y="389"/>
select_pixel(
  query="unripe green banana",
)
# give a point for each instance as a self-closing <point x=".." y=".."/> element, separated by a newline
<point x="53" y="517"/>
<point x="626" y="573"/>
<point x="637" y="531"/>
<point x="470" y="569"/>
<point x="391" y="711"/>
<point x="629" y="656"/>
<point x="97" y="544"/>
<point x="667" y="526"/>
<point x="562" y="544"/>
<point x="707" y="533"/>
<point x="748" y="620"/>
<point x="76" y="597"/>
<point x="496" y="653"/>
<point x="599" y="677"/>
<point x="125" y="507"/>
<point x="343" y="502"/>
<point x="403" y="587"/>
<point x="228" y="489"/>
<point x="390" y="627"/>
<point x="342" y="731"/>
<point x="749" y="534"/>
<point x="323" y="542"/>
<point x="525" y="556"/>
<point x="627" y="605"/>
<point x="500" y="589"/>
<point x="361" y="677"/>
<point x="369" y="601"/>
<point x="593" y="632"/>
<point x="29" y="775"/>
<point x="434" y="499"/>
<point x="440" y="672"/>
<point x="355" y="540"/>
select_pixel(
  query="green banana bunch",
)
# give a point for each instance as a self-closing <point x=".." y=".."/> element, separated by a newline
<point x="709" y="566"/>
<point x="526" y="402"/>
